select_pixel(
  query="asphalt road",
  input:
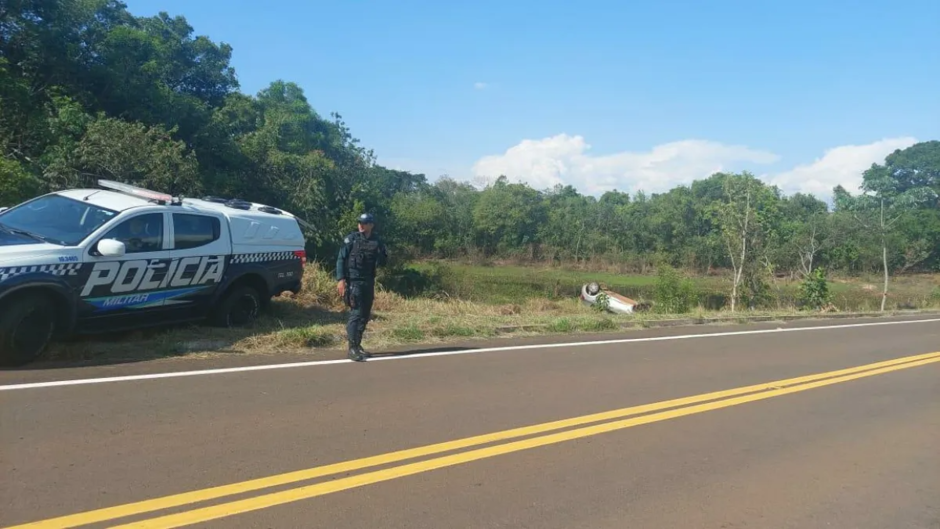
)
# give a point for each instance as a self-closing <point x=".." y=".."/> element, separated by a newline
<point x="851" y="443"/>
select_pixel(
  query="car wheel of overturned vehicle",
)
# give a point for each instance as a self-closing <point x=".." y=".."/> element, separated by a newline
<point x="593" y="289"/>
<point x="26" y="328"/>
<point x="239" y="307"/>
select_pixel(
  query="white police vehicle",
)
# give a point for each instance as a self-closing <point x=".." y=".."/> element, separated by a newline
<point x="123" y="257"/>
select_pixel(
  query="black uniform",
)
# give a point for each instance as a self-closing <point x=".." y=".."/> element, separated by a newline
<point x="356" y="263"/>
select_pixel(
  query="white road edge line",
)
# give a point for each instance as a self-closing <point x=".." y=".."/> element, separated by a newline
<point x="315" y="363"/>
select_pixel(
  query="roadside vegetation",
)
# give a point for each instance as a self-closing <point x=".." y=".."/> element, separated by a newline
<point x="441" y="303"/>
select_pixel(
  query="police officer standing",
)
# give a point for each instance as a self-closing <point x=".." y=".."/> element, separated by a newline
<point x="361" y="253"/>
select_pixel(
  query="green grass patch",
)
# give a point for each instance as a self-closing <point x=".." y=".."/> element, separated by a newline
<point x="313" y="336"/>
<point x="565" y="325"/>
<point x="561" y="325"/>
<point x="600" y="325"/>
<point x="453" y="329"/>
<point x="408" y="333"/>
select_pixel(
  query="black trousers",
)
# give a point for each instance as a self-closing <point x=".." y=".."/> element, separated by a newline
<point x="359" y="297"/>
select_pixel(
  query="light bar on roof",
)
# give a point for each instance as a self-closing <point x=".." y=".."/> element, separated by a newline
<point x="132" y="190"/>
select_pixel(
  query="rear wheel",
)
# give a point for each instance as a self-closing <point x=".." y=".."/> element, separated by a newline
<point x="239" y="307"/>
<point x="26" y="328"/>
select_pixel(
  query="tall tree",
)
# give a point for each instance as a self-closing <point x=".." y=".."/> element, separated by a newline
<point x="507" y="216"/>
<point x="888" y="195"/>
<point x="745" y="216"/>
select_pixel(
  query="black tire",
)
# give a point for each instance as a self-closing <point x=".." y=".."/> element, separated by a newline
<point x="239" y="307"/>
<point x="27" y="326"/>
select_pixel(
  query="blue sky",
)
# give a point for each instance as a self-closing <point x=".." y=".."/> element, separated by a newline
<point x="802" y="93"/>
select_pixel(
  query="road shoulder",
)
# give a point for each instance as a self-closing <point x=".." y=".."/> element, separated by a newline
<point x="63" y="371"/>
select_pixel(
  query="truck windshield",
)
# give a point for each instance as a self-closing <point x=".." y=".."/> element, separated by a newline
<point x="55" y="219"/>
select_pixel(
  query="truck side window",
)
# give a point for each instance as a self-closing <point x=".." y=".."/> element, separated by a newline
<point x="140" y="234"/>
<point x="192" y="231"/>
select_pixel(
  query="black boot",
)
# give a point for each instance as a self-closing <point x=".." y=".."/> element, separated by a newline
<point x="355" y="354"/>
<point x="363" y="353"/>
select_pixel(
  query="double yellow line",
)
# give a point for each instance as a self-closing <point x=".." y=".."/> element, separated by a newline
<point x="628" y="417"/>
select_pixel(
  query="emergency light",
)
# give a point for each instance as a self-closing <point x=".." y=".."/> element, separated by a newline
<point x="128" y="189"/>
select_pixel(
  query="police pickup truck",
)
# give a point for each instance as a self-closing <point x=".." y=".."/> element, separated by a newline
<point x="123" y="257"/>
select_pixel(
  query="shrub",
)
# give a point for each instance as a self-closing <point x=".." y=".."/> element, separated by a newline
<point x="814" y="292"/>
<point x="602" y="302"/>
<point x="755" y="292"/>
<point x="319" y="287"/>
<point x="673" y="294"/>
<point x="16" y="183"/>
<point x="935" y="295"/>
<point x="409" y="282"/>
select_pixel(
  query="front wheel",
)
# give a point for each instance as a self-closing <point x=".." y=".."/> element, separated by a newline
<point x="239" y="307"/>
<point x="26" y="328"/>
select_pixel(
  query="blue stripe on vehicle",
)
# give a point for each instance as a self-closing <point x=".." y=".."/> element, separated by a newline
<point x="139" y="300"/>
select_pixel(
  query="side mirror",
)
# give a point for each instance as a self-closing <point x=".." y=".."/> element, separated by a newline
<point x="111" y="248"/>
<point x="3" y="209"/>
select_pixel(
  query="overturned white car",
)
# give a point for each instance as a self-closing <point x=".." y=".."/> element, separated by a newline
<point x="592" y="294"/>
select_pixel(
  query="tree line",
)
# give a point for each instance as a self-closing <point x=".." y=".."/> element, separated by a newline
<point x="88" y="91"/>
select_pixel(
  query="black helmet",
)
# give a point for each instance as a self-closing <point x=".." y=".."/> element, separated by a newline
<point x="366" y="218"/>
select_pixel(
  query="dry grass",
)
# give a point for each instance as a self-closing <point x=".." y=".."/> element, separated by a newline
<point x="314" y="321"/>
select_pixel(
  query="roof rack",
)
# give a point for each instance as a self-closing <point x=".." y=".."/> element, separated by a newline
<point x="238" y="203"/>
<point x="139" y="192"/>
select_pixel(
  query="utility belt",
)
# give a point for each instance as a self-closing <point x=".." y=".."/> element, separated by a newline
<point x="356" y="283"/>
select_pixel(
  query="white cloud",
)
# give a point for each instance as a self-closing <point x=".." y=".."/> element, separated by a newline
<point x="563" y="159"/>
<point x="480" y="85"/>
<point x="840" y="165"/>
